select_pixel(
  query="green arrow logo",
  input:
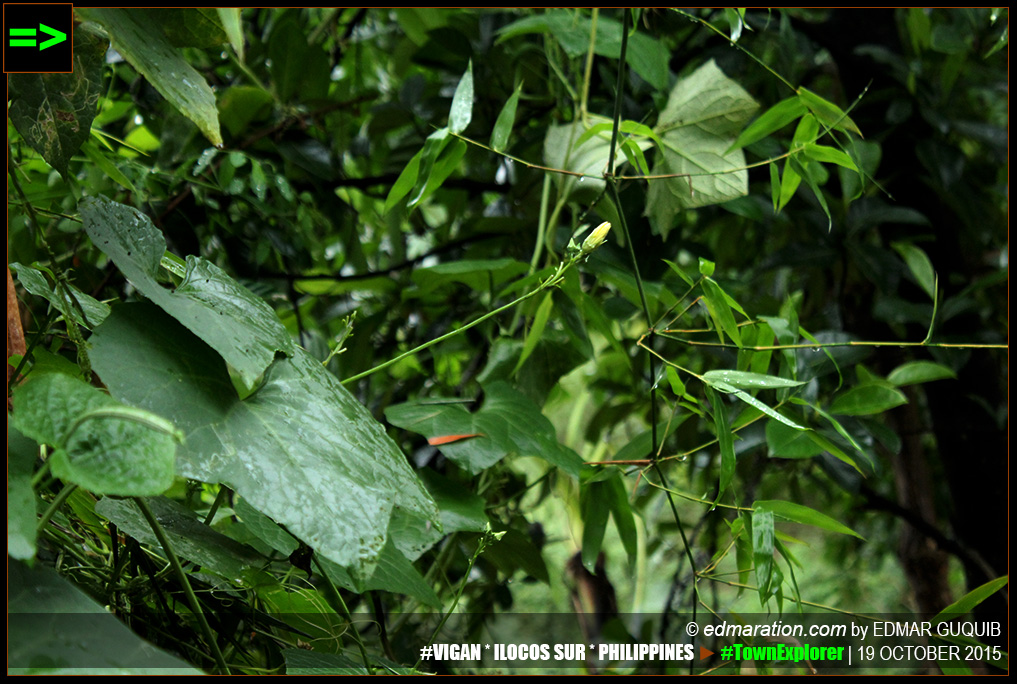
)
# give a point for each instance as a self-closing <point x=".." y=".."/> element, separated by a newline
<point x="26" y="37"/>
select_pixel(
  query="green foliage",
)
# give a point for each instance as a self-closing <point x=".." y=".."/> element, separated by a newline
<point x="319" y="292"/>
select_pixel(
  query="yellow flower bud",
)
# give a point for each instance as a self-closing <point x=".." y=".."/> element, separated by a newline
<point x="596" y="238"/>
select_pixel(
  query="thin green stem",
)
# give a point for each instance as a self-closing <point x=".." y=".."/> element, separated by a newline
<point x="54" y="506"/>
<point x="736" y="45"/>
<point x="220" y="498"/>
<point x="826" y="345"/>
<point x="485" y="539"/>
<point x="341" y="608"/>
<point x="542" y="223"/>
<point x="550" y="282"/>
<point x="178" y="570"/>
<point x="588" y="70"/>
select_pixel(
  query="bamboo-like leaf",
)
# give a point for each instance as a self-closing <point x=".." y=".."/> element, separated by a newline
<point x="916" y="372"/>
<point x="749" y="381"/>
<point x="536" y="330"/>
<point x="762" y="552"/>
<point x="830" y="114"/>
<point x="965" y="604"/>
<point x="830" y="155"/>
<point x="461" y="114"/>
<point x="919" y="264"/>
<point x="506" y="119"/>
<point x="725" y="438"/>
<point x="804" y="515"/>
<point x="772" y="120"/>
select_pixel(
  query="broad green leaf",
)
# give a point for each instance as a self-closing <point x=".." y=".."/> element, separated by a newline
<point x="623" y="515"/>
<point x="506" y="119"/>
<point x="405" y="182"/>
<point x="830" y="114"/>
<point x="804" y="515"/>
<point x="706" y="267"/>
<point x="84" y="310"/>
<point x="645" y="55"/>
<point x="509" y="423"/>
<point x="21" y="521"/>
<point x="536" y="330"/>
<point x="965" y="604"/>
<point x="459" y="508"/>
<point x="697" y="128"/>
<point x="54" y="112"/>
<point x="583" y="149"/>
<point x="749" y="380"/>
<point x="594" y="511"/>
<point x="98" y="443"/>
<point x="462" y="103"/>
<point x="152" y="54"/>
<point x="394" y="573"/>
<point x="772" y="120"/>
<point x="725" y="438"/>
<point x="227" y="316"/>
<point x="54" y="628"/>
<point x="230" y="19"/>
<point x="190" y="538"/>
<point x="920" y="264"/>
<point x="516" y="551"/>
<point x="762" y="552"/>
<point x="300" y="449"/>
<point x="916" y="372"/>
<point x="300" y="70"/>
<point x="239" y="107"/>
<point x="265" y="529"/>
<point x="477" y="274"/>
<point x="720" y="311"/>
<point x="198" y="27"/>
<point x="867" y="400"/>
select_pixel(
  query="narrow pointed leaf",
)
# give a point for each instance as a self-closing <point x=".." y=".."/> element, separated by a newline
<point x="462" y="102"/>
<point x="506" y="119"/>
<point x="745" y="380"/>
<point x="804" y="515"/>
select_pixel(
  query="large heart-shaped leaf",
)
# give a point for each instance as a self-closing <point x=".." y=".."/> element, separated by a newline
<point x="301" y="449"/>
<point x="227" y="316"/>
<point x="508" y="423"/>
<point x="702" y="119"/>
<point x="98" y="442"/>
